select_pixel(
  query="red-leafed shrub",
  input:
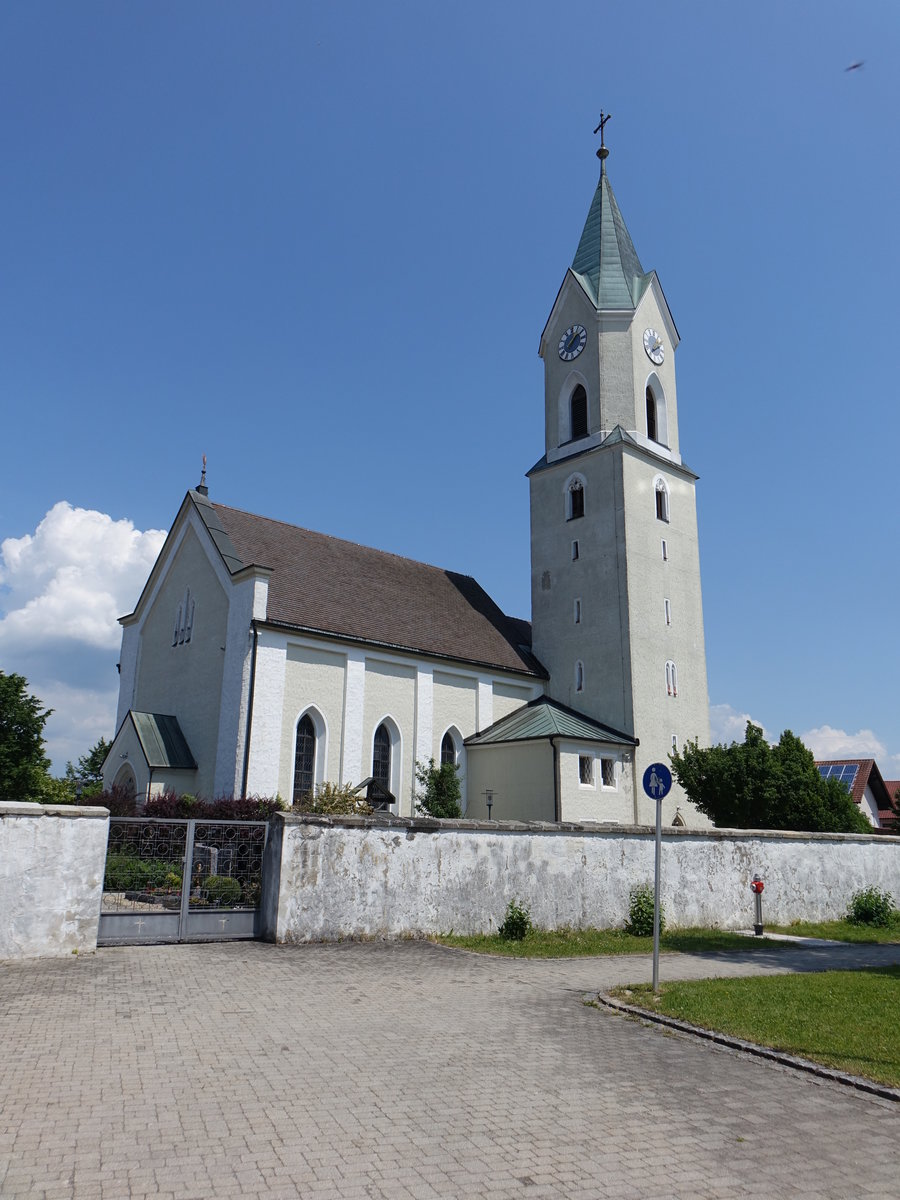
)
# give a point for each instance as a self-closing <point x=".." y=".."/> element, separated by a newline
<point x="222" y="808"/>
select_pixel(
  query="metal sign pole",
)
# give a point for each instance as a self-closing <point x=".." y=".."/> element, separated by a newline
<point x="657" y="784"/>
<point x="657" y="873"/>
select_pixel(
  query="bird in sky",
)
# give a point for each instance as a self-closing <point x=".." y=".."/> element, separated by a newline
<point x="855" y="66"/>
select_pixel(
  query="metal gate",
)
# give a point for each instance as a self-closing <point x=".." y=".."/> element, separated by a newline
<point x="150" y="896"/>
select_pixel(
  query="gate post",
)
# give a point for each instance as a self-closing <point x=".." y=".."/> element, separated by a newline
<point x="186" y="876"/>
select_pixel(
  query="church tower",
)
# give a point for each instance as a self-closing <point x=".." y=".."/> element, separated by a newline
<point x="615" y="567"/>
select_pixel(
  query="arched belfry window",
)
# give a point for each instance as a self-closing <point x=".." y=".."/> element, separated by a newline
<point x="381" y="757"/>
<point x="657" y="420"/>
<point x="575" y="500"/>
<point x="304" y="760"/>
<point x="662" y="500"/>
<point x="651" y="416"/>
<point x="578" y="413"/>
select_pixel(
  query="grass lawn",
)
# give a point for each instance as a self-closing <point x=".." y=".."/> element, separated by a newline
<point x="572" y="943"/>
<point x="843" y="1019"/>
<point x="839" y="931"/>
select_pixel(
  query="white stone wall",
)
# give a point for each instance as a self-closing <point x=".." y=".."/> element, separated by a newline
<point x="52" y="859"/>
<point x="349" y="691"/>
<point x="371" y="877"/>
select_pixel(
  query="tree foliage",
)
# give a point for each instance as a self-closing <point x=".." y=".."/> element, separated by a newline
<point x="24" y="768"/>
<point x="89" y="772"/>
<point x="752" y="785"/>
<point x="441" y="793"/>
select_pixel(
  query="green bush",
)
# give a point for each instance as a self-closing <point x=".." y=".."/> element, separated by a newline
<point x="871" y="906"/>
<point x="640" y="911"/>
<point x="517" y="924"/>
<point x="222" y="891"/>
<point x="127" y="873"/>
<point x="442" y="790"/>
<point x="335" y="800"/>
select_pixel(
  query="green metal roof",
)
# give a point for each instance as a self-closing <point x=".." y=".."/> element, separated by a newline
<point x="163" y="743"/>
<point x="546" y="718"/>
<point x="606" y="262"/>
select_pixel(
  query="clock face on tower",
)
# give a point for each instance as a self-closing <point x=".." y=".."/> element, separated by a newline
<point x="572" y="342"/>
<point x="653" y="345"/>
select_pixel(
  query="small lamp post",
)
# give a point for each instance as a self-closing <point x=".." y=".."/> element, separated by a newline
<point x="489" y="800"/>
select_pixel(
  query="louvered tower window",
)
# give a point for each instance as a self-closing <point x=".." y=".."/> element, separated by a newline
<point x="651" y="416"/>
<point x="578" y="408"/>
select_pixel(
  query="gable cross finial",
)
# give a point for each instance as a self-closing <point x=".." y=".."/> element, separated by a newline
<point x="201" y="486"/>
<point x="602" y="153"/>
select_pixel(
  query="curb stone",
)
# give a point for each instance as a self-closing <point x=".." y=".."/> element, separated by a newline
<point x="733" y="1043"/>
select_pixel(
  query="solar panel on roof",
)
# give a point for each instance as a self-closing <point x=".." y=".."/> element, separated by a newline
<point x="845" y="772"/>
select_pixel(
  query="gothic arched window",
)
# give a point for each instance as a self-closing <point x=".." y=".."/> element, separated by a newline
<point x="578" y="412"/>
<point x="579" y="676"/>
<point x="448" y="749"/>
<point x="304" y="760"/>
<point x="381" y="757"/>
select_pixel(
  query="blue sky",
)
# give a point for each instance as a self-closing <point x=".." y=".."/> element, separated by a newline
<point x="319" y="243"/>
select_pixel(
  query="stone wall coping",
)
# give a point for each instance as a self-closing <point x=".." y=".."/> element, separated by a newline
<point x="14" y="808"/>
<point x="593" y="828"/>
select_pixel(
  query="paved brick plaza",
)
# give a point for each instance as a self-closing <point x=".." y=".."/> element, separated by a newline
<point x="398" y="1070"/>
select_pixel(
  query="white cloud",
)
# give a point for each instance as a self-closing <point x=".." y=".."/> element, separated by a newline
<point x="826" y="742"/>
<point x="72" y="579"/>
<point x="62" y="590"/>
<point x="80" y="717"/>
<point x="727" y="724"/>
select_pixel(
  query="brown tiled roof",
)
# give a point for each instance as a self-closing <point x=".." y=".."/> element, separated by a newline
<point x="325" y="585"/>
<point x="888" y="816"/>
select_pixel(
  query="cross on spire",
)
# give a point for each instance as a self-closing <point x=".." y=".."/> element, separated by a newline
<point x="602" y="153"/>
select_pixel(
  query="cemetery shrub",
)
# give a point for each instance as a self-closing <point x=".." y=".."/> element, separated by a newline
<point x="222" y="891"/>
<point x="871" y="906"/>
<point x="640" y="911"/>
<point x="516" y="924"/>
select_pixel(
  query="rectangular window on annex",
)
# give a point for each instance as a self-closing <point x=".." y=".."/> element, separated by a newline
<point x="608" y="772"/>
<point x="585" y="769"/>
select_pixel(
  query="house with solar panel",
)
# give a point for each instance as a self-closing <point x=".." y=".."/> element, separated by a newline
<point x="873" y="795"/>
<point x="248" y="667"/>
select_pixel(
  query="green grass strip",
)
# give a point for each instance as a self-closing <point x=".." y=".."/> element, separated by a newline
<point x="839" y="931"/>
<point x="574" y="943"/>
<point x="843" y="1019"/>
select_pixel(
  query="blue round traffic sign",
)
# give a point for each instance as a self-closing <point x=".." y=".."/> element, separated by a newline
<point x="657" y="781"/>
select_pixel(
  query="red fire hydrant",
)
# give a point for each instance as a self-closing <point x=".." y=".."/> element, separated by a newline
<point x="756" y="887"/>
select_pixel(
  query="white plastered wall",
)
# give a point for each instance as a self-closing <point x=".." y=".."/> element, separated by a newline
<point x="594" y="801"/>
<point x="659" y="716"/>
<point x="314" y="678"/>
<point x="520" y="774"/>
<point x="391" y="697"/>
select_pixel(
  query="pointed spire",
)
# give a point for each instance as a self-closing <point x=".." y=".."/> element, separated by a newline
<point x="201" y="486"/>
<point x="606" y="260"/>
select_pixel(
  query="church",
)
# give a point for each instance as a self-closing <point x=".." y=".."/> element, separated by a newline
<point x="250" y="667"/>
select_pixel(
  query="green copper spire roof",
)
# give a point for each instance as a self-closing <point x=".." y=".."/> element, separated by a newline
<point x="606" y="261"/>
